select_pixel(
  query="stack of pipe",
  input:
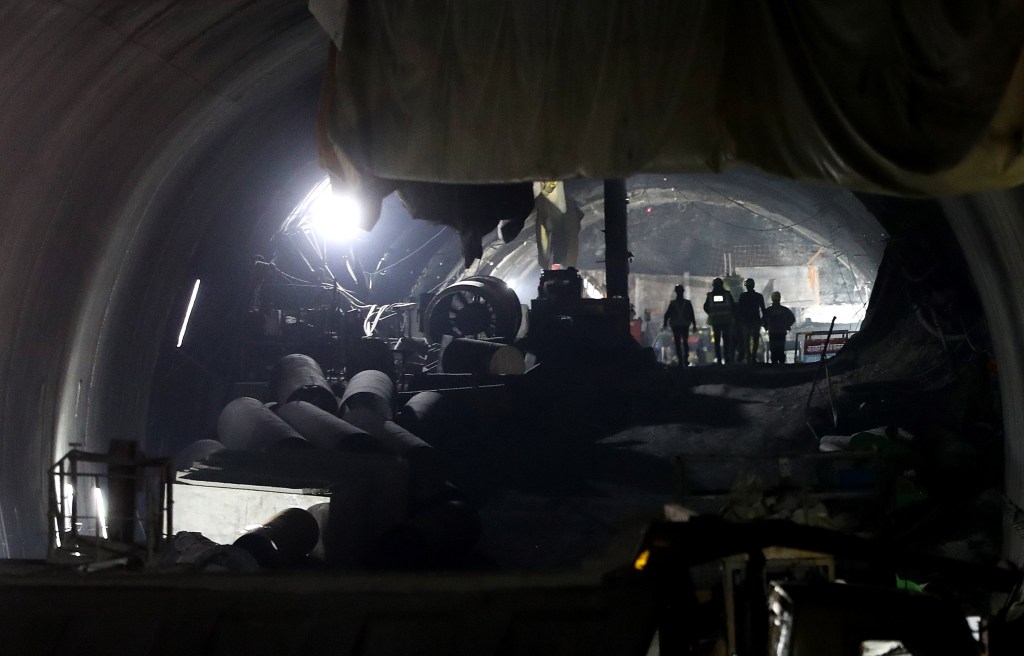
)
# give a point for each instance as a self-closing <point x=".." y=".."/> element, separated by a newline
<point x="442" y="418"/>
<point x="327" y="431"/>
<point x="368" y="403"/>
<point x="441" y="527"/>
<point x="432" y="522"/>
<point x="246" y="424"/>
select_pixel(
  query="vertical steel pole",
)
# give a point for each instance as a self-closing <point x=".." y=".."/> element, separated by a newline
<point x="74" y="496"/>
<point x="616" y="264"/>
<point x="169" y="475"/>
<point x="821" y="363"/>
<point x="64" y="510"/>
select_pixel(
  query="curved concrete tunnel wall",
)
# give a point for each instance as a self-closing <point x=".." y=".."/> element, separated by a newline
<point x="990" y="229"/>
<point x="129" y="135"/>
<point x="113" y="121"/>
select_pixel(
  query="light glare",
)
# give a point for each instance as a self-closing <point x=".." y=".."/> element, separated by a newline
<point x="335" y="217"/>
<point x="69" y="500"/>
<point x="101" y="510"/>
<point x="188" y="313"/>
<point x="845" y="313"/>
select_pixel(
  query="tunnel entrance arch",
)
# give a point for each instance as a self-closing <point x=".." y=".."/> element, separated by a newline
<point x="821" y="243"/>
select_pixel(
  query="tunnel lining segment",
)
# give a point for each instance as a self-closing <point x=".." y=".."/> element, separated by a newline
<point x="991" y="234"/>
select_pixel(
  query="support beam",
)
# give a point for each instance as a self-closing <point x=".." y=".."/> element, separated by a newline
<point x="616" y="264"/>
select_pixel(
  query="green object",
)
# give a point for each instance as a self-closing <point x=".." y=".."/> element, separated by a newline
<point x="907" y="584"/>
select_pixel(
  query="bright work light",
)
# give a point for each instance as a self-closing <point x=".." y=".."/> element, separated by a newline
<point x="335" y="217"/>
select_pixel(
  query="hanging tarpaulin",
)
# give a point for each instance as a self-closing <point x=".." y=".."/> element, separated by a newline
<point x="878" y="95"/>
<point x="473" y="210"/>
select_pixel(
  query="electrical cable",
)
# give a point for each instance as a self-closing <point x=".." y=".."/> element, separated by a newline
<point x="421" y="247"/>
<point x="743" y="205"/>
<point x="376" y="321"/>
<point x="291" y="278"/>
<point x="436" y="287"/>
<point x="349" y="296"/>
<point x="370" y="323"/>
<point x="366" y="321"/>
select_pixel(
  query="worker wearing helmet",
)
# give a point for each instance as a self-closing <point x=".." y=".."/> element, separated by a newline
<point x="749" y="311"/>
<point x="720" y="307"/>
<point x="778" y="319"/>
<point x="680" y="317"/>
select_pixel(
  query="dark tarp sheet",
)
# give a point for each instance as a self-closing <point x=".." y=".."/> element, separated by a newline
<point x="877" y="95"/>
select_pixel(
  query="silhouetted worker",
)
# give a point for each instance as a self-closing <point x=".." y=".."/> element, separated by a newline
<point x="680" y="317"/>
<point x="749" y="311"/>
<point x="778" y="319"/>
<point x="720" y="305"/>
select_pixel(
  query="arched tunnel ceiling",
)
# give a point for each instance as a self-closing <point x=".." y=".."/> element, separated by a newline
<point x="131" y="134"/>
<point x="758" y="208"/>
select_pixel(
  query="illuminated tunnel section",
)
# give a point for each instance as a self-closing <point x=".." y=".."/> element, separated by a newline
<point x="691" y="228"/>
<point x="147" y="147"/>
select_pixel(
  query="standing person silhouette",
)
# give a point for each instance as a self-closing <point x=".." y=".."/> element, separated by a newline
<point x="778" y="319"/>
<point x="680" y="317"/>
<point x="720" y="307"/>
<point x="749" y="312"/>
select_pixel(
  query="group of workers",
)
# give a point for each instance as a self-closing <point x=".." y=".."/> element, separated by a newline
<point x="728" y="318"/>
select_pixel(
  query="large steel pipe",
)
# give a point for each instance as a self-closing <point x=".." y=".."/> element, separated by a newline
<point x="298" y="377"/>
<point x="477" y="356"/>
<point x="430" y="416"/>
<point x="372" y="390"/>
<point x="442" y="418"/>
<point x="426" y="465"/>
<point x="327" y="431"/>
<point x="285" y="539"/>
<point x="458" y="410"/>
<point x="246" y="424"/>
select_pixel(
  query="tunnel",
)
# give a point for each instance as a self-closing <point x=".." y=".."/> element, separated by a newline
<point x="148" y="146"/>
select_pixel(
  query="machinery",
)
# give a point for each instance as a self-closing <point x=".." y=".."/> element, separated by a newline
<point x="564" y="326"/>
<point x="477" y="307"/>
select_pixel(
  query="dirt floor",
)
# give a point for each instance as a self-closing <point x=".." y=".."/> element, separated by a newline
<point x="586" y="472"/>
<point x="575" y="476"/>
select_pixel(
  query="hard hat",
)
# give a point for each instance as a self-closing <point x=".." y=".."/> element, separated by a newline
<point x="776" y="296"/>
